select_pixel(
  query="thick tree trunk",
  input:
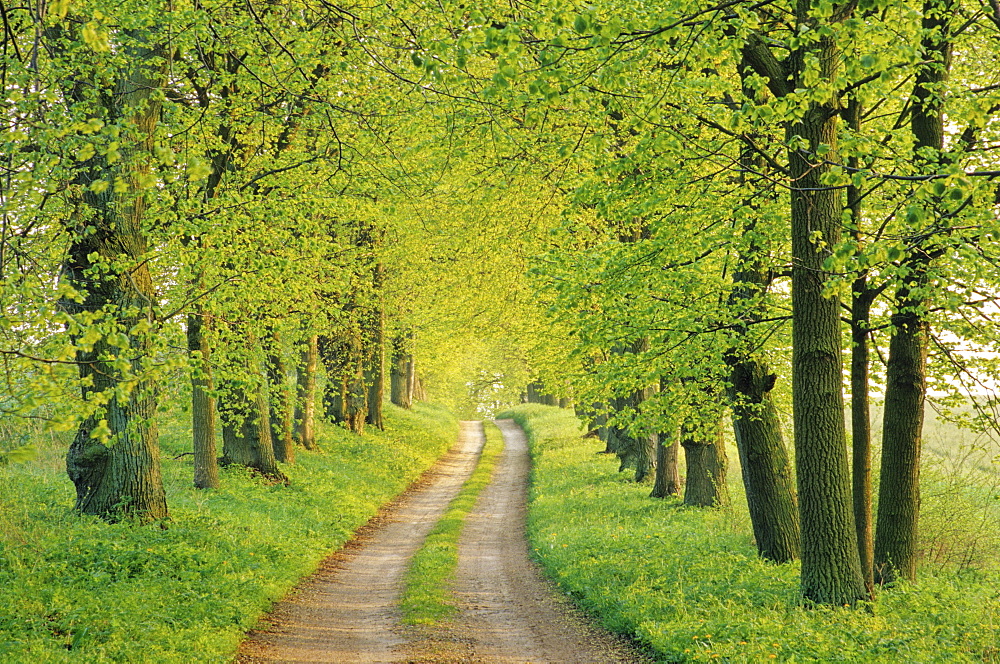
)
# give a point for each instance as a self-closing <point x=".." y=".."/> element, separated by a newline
<point x="902" y="424"/>
<point x="203" y="415"/>
<point x="534" y="396"/>
<point x="305" y="406"/>
<point x="705" y="455"/>
<point x="668" y="474"/>
<point x="281" y="412"/>
<point x="113" y="460"/>
<point x="831" y="567"/>
<point x="768" y="476"/>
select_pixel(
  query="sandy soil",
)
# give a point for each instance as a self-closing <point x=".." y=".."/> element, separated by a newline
<point x="509" y="613"/>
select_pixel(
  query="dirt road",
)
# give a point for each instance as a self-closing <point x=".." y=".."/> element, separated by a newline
<point x="347" y="612"/>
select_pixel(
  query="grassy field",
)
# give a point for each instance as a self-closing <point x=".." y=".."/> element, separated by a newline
<point x="76" y="589"/>
<point x="688" y="582"/>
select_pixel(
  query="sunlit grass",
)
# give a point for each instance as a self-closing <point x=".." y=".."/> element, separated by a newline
<point x="76" y="589"/>
<point x="688" y="581"/>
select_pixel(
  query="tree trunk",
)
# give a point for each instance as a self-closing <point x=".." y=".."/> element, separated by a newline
<point x="831" y="567"/>
<point x="246" y="430"/>
<point x="902" y="422"/>
<point x="374" y="353"/>
<point x="305" y="406"/>
<point x="903" y="417"/>
<point x="206" y="463"/>
<point x="767" y="472"/>
<point x="113" y="460"/>
<point x="346" y="399"/>
<point x="668" y="475"/>
<point x="861" y="433"/>
<point x="706" y="468"/>
<point x="280" y="403"/>
<point x="400" y="374"/>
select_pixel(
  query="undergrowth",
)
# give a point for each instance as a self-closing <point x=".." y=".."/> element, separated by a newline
<point x="688" y="582"/>
<point x="427" y="597"/>
<point x="76" y="589"/>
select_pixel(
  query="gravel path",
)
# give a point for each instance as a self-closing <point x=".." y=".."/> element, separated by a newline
<point x="509" y="613"/>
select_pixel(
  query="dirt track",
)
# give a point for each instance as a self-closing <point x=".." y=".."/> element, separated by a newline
<point x="347" y="612"/>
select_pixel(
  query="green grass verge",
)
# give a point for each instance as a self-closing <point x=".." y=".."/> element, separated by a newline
<point x="427" y="597"/>
<point x="688" y="582"/>
<point x="76" y="589"/>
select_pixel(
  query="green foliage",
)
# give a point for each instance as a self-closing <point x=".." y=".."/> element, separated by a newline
<point x="427" y="595"/>
<point x="689" y="583"/>
<point x="77" y="589"/>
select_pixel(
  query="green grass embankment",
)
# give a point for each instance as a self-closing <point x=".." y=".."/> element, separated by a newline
<point x="76" y="589"/>
<point x="427" y="597"/>
<point x="688" y="581"/>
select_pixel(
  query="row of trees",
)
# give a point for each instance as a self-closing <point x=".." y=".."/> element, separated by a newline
<point x="743" y="166"/>
<point x="236" y="193"/>
<point x="296" y="183"/>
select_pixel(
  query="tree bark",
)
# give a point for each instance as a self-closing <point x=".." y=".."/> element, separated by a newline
<point x="668" y="476"/>
<point x="705" y="455"/>
<point x="203" y="407"/>
<point x="246" y="430"/>
<point x="831" y="567"/>
<point x="903" y="417"/>
<point x="861" y="434"/>
<point x="113" y="460"/>
<point x="374" y="365"/>
<point x="768" y="476"/>
<point x="400" y="372"/>
<point x="305" y="406"/>
<point x="281" y="413"/>
<point x="767" y="471"/>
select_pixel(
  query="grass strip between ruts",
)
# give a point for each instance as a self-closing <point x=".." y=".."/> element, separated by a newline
<point x="427" y="597"/>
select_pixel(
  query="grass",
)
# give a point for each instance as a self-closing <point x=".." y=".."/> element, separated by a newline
<point x="688" y="582"/>
<point x="76" y="589"/>
<point x="427" y="597"/>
